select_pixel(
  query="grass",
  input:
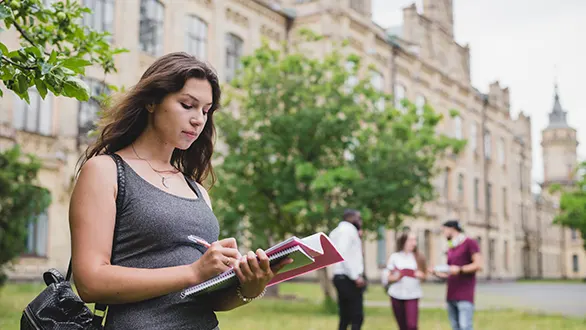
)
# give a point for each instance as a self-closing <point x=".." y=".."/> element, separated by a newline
<point x="307" y="313"/>
<point x="553" y="280"/>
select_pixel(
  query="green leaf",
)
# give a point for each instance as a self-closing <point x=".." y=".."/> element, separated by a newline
<point x="22" y="83"/>
<point x="3" y="48"/>
<point x="33" y="50"/>
<point x="76" y="64"/>
<point x="53" y="57"/>
<point x="5" y="12"/>
<point x="46" y="68"/>
<point x="1" y="92"/>
<point x="41" y="87"/>
<point x="75" y="87"/>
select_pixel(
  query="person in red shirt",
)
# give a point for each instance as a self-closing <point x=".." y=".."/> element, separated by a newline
<point x="464" y="260"/>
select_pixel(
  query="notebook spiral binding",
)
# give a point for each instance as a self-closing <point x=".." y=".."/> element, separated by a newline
<point x="230" y="274"/>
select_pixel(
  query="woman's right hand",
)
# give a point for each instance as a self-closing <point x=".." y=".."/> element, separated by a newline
<point x="218" y="258"/>
<point x="394" y="276"/>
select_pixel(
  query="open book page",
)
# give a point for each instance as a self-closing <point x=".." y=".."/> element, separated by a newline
<point x="325" y="254"/>
<point x="311" y="244"/>
<point x="282" y="245"/>
<point x="314" y="243"/>
<point x="229" y="278"/>
<point x="300" y="259"/>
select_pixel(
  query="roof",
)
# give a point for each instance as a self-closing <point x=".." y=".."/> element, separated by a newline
<point x="287" y="12"/>
<point x="557" y="116"/>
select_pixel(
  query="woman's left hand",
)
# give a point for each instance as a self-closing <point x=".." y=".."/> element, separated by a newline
<point x="419" y="274"/>
<point x="254" y="274"/>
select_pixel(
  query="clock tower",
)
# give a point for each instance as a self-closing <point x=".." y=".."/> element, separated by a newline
<point x="559" y="143"/>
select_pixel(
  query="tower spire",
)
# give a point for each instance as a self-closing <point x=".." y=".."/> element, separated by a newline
<point x="557" y="116"/>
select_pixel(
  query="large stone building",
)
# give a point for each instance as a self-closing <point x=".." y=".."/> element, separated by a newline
<point x="487" y="187"/>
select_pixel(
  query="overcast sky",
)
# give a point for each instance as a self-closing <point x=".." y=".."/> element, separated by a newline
<point x="520" y="43"/>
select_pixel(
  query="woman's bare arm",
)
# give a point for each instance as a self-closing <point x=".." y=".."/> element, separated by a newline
<point x="92" y="218"/>
<point x="226" y="299"/>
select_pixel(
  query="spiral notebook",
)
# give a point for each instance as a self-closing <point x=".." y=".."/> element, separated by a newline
<point x="308" y="254"/>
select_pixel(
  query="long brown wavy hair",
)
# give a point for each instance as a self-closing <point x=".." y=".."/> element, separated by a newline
<point x="421" y="263"/>
<point x="125" y="120"/>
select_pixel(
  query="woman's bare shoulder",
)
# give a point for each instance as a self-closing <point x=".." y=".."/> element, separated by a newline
<point x="98" y="170"/>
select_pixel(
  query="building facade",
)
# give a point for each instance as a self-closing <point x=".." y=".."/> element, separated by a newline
<point x="487" y="186"/>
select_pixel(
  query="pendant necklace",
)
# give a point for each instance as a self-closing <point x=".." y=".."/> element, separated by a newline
<point x="163" y="178"/>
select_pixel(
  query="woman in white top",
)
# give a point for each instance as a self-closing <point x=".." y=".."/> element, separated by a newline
<point x="404" y="272"/>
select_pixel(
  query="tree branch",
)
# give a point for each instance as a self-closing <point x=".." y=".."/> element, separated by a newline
<point x="16" y="64"/>
<point x="26" y="36"/>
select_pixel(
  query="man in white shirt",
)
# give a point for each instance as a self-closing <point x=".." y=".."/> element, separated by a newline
<point x="348" y="275"/>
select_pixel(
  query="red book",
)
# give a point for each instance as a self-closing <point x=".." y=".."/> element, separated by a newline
<point x="309" y="254"/>
<point x="407" y="272"/>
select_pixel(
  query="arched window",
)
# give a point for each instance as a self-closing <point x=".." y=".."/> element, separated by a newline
<point x="234" y="46"/>
<point x="196" y="37"/>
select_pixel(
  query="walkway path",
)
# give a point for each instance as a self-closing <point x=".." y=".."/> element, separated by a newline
<point x="553" y="298"/>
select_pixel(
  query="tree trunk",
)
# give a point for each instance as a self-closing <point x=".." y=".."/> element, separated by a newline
<point x="329" y="303"/>
<point x="272" y="291"/>
<point x="326" y="284"/>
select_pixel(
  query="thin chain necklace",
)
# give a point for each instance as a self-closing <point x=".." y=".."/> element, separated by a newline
<point x="163" y="178"/>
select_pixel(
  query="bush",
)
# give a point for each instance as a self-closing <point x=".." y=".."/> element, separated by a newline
<point x="21" y="200"/>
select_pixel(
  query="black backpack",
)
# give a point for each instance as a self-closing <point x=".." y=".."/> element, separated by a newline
<point x="58" y="307"/>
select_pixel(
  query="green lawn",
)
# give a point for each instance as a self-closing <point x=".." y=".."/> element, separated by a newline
<point x="307" y="313"/>
<point x="564" y="281"/>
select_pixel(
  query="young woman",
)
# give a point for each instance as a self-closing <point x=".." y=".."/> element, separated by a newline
<point x="139" y="196"/>
<point x="404" y="272"/>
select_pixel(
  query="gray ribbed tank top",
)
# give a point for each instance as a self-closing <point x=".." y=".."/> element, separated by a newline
<point x="151" y="232"/>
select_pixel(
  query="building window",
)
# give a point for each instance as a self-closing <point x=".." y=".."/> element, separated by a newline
<point x="487" y="145"/>
<point x="89" y="111"/>
<point x="427" y="244"/>
<point x="575" y="266"/>
<point x="151" y="27"/>
<point x="476" y="203"/>
<point x="574" y="234"/>
<point x="473" y="137"/>
<point x="101" y="18"/>
<point x="447" y="183"/>
<point x="196" y="37"/>
<point x="36" y="237"/>
<point x="233" y="53"/>
<point x="505" y="201"/>
<point x="521" y="183"/>
<point x="377" y="81"/>
<point x="522" y="215"/>
<point x="36" y="116"/>
<point x="506" y="255"/>
<point x="491" y="253"/>
<point x="381" y="247"/>
<point x="460" y="187"/>
<point x="488" y="198"/>
<point x="458" y="127"/>
<point x="399" y="97"/>
<point x="501" y="151"/>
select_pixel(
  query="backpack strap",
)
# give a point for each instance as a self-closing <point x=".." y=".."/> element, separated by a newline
<point x="100" y="309"/>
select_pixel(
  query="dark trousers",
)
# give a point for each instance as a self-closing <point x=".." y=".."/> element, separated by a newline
<point x="406" y="313"/>
<point x="350" y="307"/>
